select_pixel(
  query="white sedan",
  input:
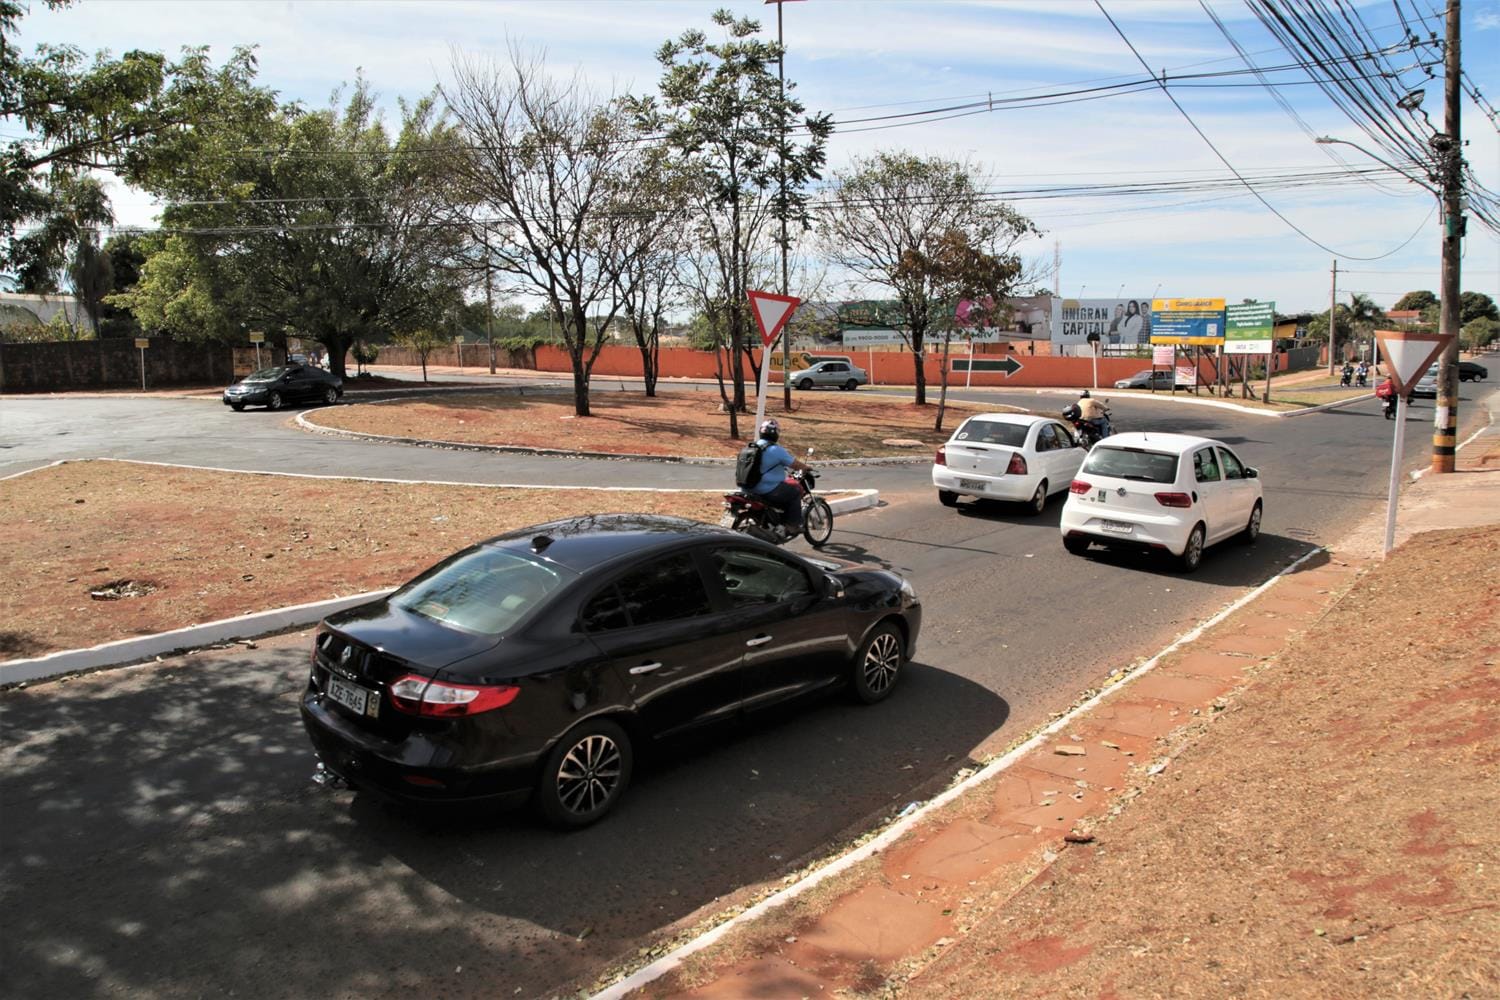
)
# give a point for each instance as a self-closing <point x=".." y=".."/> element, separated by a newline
<point x="1169" y="492"/>
<point x="1007" y="456"/>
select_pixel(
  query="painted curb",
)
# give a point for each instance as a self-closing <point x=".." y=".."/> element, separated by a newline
<point x="888" y="836"/>
<point x="126" y="651"/>
<point x="513" y="449"/>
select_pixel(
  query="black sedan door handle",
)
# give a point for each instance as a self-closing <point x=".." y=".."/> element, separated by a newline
<point x="759" y="640"/>
<point x="646" y="668"/>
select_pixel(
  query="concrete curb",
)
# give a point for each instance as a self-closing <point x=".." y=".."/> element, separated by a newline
<point x="259" y="623"/>
<point x="667" y="963"/>
<point x="512" y="449"/>
<point x="125" y="651"/>
<point x="1326" y="406"/>
<point x="1223" y="405"/>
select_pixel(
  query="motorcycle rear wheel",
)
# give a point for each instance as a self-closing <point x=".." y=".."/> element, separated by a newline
<point x="817" y="522"/>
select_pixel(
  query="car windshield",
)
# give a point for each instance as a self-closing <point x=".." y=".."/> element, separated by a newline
<point x="483" y="590"/>
<point x="1148" y="373"/>
<point x="266" y="374"/>
<point x="1132" y="463"/>
<point x="992" y="432"/>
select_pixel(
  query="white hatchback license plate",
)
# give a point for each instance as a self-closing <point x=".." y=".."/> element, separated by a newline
<point x="1117" y="527"/>
<point x="971" y="484"/>
<point x="353" y="697"/>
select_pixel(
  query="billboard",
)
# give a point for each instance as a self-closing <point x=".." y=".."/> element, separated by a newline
<point x="1195" y="322"/>
<point x="1248" y="328"/>
<point x="1080" y="322"/>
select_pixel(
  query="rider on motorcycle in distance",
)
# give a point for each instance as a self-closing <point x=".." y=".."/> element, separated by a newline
<point x="775" y="463"/>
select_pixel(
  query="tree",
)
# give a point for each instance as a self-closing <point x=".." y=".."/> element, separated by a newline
<point x="125" y="261"/>
<point x="325" y="228"/>
<point x="424" y="340"/>
<point x="1415" y="301"/>
<point x="896" y="207"/>
<point x="723" y="113"/>
<point x="551" y="169"/>
<point x="970" y="284"/>
<point x="1480" y="331"/>
<point x="1476" y="305"/>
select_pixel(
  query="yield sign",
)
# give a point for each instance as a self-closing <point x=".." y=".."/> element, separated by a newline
<point x="1407" y="355"/>
<point x="771" y="313"/>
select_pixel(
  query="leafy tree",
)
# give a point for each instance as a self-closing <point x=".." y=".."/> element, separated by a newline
<point x="958" y="272"/>
<point x="1415" y="300"/>
<point x="1476" y="305"/>
<point x="424" y="340"/>
<point x="723" y="114"/>
<point x="326" y="228"/>
<point x="125" y="261"/>
<point x="896" y="207"/>
<point x="1481" y="331"/>
<point x="553" y="171"/>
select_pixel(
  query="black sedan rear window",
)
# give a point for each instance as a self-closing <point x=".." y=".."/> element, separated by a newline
<point x="992" y="432"/>
<point x="1132" y="463"/>
<point x="483" y="590"/>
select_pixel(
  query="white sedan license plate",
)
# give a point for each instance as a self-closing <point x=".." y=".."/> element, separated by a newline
<point x="1117" y="527"/>
<point x="971" y="484"/>
<point x="353" y="697"/>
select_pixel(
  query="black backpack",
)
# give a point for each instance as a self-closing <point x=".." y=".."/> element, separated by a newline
<point x="747" y="466"/>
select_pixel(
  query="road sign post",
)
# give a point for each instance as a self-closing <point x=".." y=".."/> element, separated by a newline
<point x="1407" y="356"/>
<point x="141" y="344"/>
<point x="257" y="338"/>
<point x="771" y="313"/>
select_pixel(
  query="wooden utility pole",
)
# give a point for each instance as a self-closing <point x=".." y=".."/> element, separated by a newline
<point x="1449" y="150"/>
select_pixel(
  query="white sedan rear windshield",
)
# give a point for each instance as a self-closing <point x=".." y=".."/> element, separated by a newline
<point x="1132" y="463"/>
<point x="992" y="432"/>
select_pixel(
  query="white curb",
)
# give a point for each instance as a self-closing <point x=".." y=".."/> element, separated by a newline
<point x="1219" y="403"/>
<point x="890" y="834"/>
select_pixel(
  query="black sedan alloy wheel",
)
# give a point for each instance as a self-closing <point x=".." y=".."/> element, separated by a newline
<point x="585" y="773"/>
<point x="878" y="665"/>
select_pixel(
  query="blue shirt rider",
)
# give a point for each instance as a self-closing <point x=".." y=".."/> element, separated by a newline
<point x="775" y="463"/>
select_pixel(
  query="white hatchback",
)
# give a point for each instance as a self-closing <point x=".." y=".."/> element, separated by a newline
<point x="1007" y="456"/>
<point x="1168" y="492"/>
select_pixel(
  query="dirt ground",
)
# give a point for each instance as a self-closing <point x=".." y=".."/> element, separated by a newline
<point x="175" y="547"/>
<point x="836" y="424"/>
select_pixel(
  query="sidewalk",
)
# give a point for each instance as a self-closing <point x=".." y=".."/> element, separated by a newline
<point x="1300" y="802"/>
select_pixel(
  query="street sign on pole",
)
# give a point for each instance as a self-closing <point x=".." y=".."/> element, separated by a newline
<point x="771" y="313"/>
<point x="141" y="344"/>
<point x="257" y="338"/>
<point x="1407" y="356"/>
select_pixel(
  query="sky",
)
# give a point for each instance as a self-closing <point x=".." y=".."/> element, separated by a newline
<point x="865" y="59"/>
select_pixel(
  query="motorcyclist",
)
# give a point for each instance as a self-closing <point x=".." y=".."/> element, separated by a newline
<point x="1386" y="393"/>
<point x="1362" y="374"/>
<point x="1348" y="374"/>
<point x="1094" y="413"/>
<point x="775" y="463"/>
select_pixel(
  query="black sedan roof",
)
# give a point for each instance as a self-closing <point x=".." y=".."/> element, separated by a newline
<point x="580" y="543"/>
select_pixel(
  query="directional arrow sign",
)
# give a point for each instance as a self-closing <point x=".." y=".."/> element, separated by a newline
<point x="771" y="313"/>
<point x="1007" y="364"/>
<point x="1408" y="355"/>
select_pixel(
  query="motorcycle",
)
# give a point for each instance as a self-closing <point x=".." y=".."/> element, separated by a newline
<point x="1348" y="376"/>
<point x="1362" y="377"/>
<point x="754" y="516"/>
<point x="1088" y="435"/>
<point x="1386" y="391"/>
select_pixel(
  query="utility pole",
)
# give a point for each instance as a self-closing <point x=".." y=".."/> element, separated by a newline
<point x="1449" y="150"/>
<point x="1333" y="305"/>
<point x="489" y="300"/>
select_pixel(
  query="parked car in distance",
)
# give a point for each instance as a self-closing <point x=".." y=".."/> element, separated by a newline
<point x="1007" y="456"/>
<point x="843" y="374"/>
<point x="1427" y="385"/>
<point x="1167" y="492"/>
<point x="1160" y="378"/>
<point x="535" y="664"/>
<point x="283" y="385"/>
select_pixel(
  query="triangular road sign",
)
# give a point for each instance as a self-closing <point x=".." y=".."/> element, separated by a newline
<point x="771" y="313"/>
<point x="1408" y="354"/>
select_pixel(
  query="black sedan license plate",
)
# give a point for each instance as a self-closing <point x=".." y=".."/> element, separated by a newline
<point x="361" y="701"/>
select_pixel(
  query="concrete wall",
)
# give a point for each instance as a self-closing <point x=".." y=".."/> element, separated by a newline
<point x="116" y="364"/>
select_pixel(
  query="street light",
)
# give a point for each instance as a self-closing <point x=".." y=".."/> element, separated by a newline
<point x="1325" y="140"/>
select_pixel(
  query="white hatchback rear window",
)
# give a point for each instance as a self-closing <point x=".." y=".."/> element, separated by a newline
<point x="1132" y="463"/>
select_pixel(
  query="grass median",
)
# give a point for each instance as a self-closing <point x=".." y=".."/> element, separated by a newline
<point x="100" y="551"/>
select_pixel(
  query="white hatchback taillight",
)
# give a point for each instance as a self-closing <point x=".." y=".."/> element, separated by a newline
<point x="1079" y="486"/>
<point x="1017" y="466"/>
<point x="1174" y="500"/>
<point x="416" y="695"/>
<point x="942" y="455"/>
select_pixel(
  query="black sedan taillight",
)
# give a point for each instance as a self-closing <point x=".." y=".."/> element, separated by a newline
<point x="417" y="695"/>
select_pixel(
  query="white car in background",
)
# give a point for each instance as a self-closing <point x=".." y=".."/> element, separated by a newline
<point x="1168" y="492"/>
<point x="1007" y="456"/>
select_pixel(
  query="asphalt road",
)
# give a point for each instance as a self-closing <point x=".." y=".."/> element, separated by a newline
<point x="161" y="837"/>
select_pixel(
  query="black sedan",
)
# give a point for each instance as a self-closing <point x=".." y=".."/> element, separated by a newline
<point x="281" y="385"/>
<point x="535" y="663"/>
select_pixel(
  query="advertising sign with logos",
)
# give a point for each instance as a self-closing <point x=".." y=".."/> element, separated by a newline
<point x="1248" y="328"/>
<point x="1082" y="322"/>
<point x="1190" y="322"/>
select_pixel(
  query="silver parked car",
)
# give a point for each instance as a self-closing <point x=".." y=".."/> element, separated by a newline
<point x="826" y="373"/>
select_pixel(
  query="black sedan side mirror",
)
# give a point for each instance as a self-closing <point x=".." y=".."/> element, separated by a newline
<point x="832" y="587"/>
